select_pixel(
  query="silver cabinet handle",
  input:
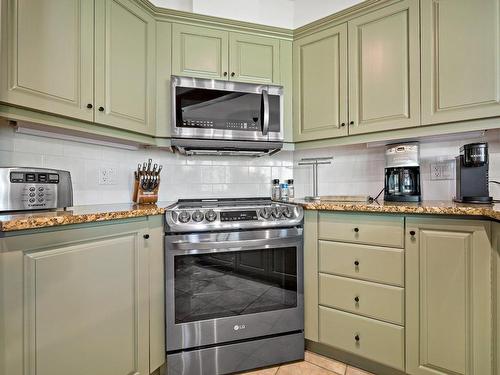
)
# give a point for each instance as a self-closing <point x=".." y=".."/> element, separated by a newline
<point x="265" y="112"/>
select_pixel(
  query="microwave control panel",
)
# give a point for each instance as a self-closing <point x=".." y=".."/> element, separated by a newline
<point x="223" y="125"/>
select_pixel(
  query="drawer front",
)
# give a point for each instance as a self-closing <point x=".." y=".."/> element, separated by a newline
<point x="377" y="301"/>
<point x="371" y="263"/>
<point x="373" y="229"/>
<point x="378" y="341"/>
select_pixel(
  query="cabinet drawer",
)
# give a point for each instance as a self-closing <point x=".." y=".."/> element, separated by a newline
<point x="381" y="342"/>
<point x="379" y="264"/>
<point x="373" y="229"/>
<point x="377" y="301"/>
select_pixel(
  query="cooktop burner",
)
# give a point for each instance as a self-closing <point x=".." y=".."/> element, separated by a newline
<point x="196" y="215"/>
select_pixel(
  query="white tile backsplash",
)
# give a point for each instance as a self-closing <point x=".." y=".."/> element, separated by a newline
<point x="182" y="177"/>
<point x="355" y="170"/>
<point x="359" y="170"/>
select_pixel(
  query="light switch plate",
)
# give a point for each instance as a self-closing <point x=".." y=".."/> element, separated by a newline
<point x="443" y="170"/>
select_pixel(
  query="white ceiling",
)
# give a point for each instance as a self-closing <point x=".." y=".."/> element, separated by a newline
<point x="281" y="13"/>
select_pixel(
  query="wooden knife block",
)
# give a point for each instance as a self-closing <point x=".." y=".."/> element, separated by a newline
<point x="145" y="197"/>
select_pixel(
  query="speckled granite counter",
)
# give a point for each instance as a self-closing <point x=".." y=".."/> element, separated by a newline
<point x="426" y="208"/>
<point x="77" y="215"/>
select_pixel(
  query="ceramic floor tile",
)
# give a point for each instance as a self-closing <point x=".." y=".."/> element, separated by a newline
<point x="302" y="368"/>
<point x="265" y="371"/>
<point x="356" y="371"/>
<point x="325" y="362"/>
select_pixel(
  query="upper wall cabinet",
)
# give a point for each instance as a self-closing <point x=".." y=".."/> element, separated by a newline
<point x="384" y="69"/>
<point x="254" y="58"/>
<point x="125" y="66"/>
<point x="460" y="60"/>
<point x="47" y="56"/>
<point x="320" y="85"/>
<point x="373" y="85"/>
<point x="67" y="58"/>
<point x="199" y="52"/>
<point x="217" y="54"/>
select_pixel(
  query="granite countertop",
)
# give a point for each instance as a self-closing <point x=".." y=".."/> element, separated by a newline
<point x="77" y="215"/>
<point x="425" y="207"/>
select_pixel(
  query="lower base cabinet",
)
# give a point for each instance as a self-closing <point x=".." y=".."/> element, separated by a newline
<point x="435" y="311"/>
<point x="449" y="311"/>
<point x="77" y="301"/>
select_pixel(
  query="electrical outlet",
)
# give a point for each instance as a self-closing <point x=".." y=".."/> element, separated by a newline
<point x="443" y="170"/>
<point x="107" y="176"/>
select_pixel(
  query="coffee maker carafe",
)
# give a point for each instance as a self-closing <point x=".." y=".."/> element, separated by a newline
<point x="472" y="174"/>
<point x="402" y="173"/>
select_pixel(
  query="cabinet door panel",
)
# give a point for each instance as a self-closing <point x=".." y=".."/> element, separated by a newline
<point x="460" y="60"/>
<point x="49" y="60"/>
<point x="254" y="58"/>
<point x="320" y="85"/>
<point x="448" y="304"/>
<point x="199" y="52"/>
<point x="86" y="311"/>
<point x="384" y="71"/>
<point x="125" y="73"/>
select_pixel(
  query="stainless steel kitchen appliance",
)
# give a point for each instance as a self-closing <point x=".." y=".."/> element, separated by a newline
<point x="24" y="189"/>
<point x="402" y="173"/>
<point x="226" y="118"/>
<point x="472" y="174"/>
<point x="234" y="285"/>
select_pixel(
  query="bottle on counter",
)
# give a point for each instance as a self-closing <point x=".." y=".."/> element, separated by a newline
<point x="291" y="189"/>
<point x="284" y="192"/>
<point x="275" y="190"/>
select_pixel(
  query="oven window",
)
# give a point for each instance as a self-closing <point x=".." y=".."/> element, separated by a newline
<point x="217" y="285"/>
<point x="224" y="110"/>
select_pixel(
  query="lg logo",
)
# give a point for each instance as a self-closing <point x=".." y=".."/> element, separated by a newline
<point x="240" y="326"/>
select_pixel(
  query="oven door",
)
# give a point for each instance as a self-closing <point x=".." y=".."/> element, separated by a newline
<point x="224" y="110"/>
<point x="229" y="286"/>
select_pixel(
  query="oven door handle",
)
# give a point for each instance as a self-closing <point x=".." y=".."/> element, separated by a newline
<point x="200" y="244"/>
<point x="265" y="112"/>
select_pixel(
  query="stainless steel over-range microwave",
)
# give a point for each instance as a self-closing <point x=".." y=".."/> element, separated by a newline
<point x="215" y="116"/>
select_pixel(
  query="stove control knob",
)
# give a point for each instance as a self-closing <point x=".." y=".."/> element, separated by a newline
<point x="288" y="212"/>
<point x="265" y="213"/>
<point x="210" y="215"/>
<point x="198" y="216"/>
<point x="184" y="217"/>
<point x="277" y="212"/>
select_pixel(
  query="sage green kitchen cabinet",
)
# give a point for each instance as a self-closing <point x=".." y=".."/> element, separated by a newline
<point x="460" y="60"/>
<point x="448" y="297"/>
<point x="199" y="52"/>
<point x="218" y="54"/>
<point x="384" y="69"/>
<point x="83" y="301"/>
<point x="48" y="55"/>
<point x="125" y="66"/>
<point x="496" y="295"/>
<point x="311" y="279"/>
<point x="254" y="58"/>
<point x="163" y="73"/>
<point x="320" y="85"/>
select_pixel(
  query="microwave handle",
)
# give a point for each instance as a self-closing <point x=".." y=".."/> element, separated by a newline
<point x="265" y="112"/>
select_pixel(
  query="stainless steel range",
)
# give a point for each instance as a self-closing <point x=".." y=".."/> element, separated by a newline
<point x="234" y="285"/>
